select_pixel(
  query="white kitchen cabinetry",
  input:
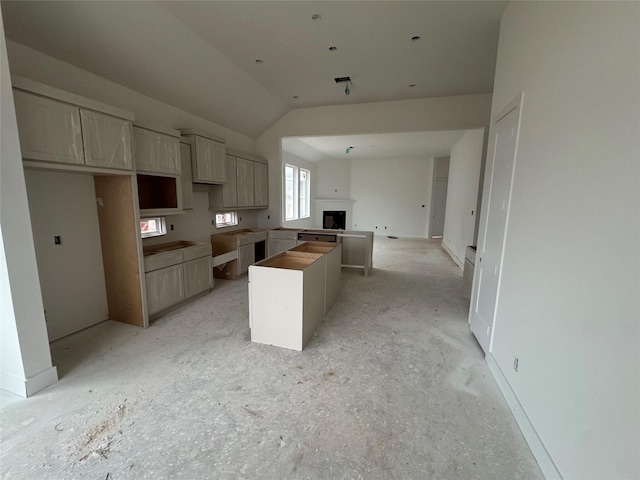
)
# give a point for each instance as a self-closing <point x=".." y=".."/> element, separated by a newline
<point x="49" y="130"/>
<point x="156" y="151"/>
<point x="332" y="253"/>
<point x="245" y="182"/>
<point x="176" y="272"/>
<point x="107" y="140"/>
<point x="165" y="287"/>
<point x="71" y="132"/>
<point x="198" y="276"/>
<point x="286" y="298"/>
<point x="208" y="159"/>
<point x="281" y="239"/>
<point x="261" y="184"/>
<point x="185" y="175"/>
<point x="246" y="257"/>
<point x="229" y="189"/>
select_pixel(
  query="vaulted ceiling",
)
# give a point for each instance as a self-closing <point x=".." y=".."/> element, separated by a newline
<point x="244" y="64"/>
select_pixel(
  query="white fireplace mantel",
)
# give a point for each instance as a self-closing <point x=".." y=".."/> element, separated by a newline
<point x="322" y="204"/>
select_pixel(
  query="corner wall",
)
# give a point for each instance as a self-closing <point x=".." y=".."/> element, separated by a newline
<point x="462" y="195"/>
<point x="569" y="301"/>
<point x="25" y="358"/>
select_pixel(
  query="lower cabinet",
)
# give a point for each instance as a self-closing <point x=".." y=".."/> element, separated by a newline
<point x="198" y="276"/>
<point x="279" y="245"/>
<point x="165" y="287"/>
<point x="176" y="272"/>
<point x="246" y="257"/>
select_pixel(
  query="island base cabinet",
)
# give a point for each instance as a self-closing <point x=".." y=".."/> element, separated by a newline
<point x="165" y="287"/>
<point x="198" y="276"/>
<point x="286" y="299"/>
<point x="333" y="268"/>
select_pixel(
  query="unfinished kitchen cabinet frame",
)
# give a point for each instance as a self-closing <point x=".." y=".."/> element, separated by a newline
<point x="246" y="186"/>
<point x="121" y="249"/>
<point x="63" y="131"/>
<point x="286" y="298"/>
<point x="208" y="157"/>
<point x="234" y="251"/>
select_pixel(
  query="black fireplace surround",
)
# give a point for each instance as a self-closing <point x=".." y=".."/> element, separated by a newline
<point x="334" y="219"/>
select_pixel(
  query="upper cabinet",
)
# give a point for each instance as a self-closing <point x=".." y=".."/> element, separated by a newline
<point x="62" y="128"/>
<point x="185" y="177"/>
<point x="247" y="184"/>
<point x="157" y="150"/>
<point x="261" y="184"/>
<point x="208" y="159"/>
<point x="49" y="130"/>
<point x="107" y="140"/>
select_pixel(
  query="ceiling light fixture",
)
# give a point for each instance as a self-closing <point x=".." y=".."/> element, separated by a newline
<point x="412" y="85"/>
<point x="257" y="60"/>
<point x="348" y="150"/>
<point x="316" y="16"/>
<point x="415" y="38"/>
<point x="347" y="80"/>
<point x="332" y="48"/>
<point x="296" y="97"/>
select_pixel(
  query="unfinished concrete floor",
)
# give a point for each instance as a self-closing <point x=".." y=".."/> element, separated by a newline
<point x="392" y="386"/>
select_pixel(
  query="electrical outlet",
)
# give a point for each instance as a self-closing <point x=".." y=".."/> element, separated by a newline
<point x="376" y="226"/>
<point x="515" y="363"/>
<point x="213" y="222"/>
<point x="57" y="240"/>
<point x="385" y="228"/>
<point x="268" y="217"/>
<point x="172" y="226"/>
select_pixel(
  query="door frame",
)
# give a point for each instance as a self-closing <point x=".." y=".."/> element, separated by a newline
<point x="515" y="104"/>
<point x="434" y="180"/>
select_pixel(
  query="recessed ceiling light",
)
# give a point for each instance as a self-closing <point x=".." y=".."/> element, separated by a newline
<point x="257" y="60"/>
<point x="332" y="48"/>
<point x="412" y="85"/>
<point x="316" y="16"/>
<point x="415" y="38"/>
<point x="296" y="96"/>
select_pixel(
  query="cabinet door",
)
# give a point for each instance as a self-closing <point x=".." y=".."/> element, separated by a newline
<point x="165" y="287"/>
<point x="185" y="177"/>
<point x="245" y="182"/>
<point x="107" y="140"/>
<point x="49" y="130"/>
<point x="209" y="163"/>
<point x="198" y="276"/>
<point x="156" y="152"/>
<point x="229" y="192"/>
<point x="246" y="257"/>
<point x="261" y="184"/>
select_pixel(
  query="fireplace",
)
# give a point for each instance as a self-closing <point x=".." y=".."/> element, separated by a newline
<point x="334" y="219"/>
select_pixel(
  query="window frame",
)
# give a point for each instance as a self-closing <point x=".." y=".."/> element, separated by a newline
<point x="231" y="223"/>
<point x="159" y="231"/>
<point x="298" y="201"/>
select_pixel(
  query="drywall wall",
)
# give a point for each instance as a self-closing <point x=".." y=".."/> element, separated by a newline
<point x="423" y="115"/>
<point x="196" y="225"/>
<point x="29" y="63"/>
<point x="392" y="196"/>
<point x="71" y="273"/>
<point x="25" y="359"/>
<point x="299" y="162"/>
<point x="333" y="178"/>
<point x="569" y="301"/>
<point x="462" y="194"/>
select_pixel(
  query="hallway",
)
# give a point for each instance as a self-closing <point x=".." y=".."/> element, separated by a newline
<point x="392" y="386"/>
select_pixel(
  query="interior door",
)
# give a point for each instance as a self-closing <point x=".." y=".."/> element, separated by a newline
<point x="493" y="226"/>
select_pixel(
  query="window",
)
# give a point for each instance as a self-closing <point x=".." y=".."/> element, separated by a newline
<point x="297" y="192"/>
<point x="227" y="219"/>
<point x="153" y="227"/>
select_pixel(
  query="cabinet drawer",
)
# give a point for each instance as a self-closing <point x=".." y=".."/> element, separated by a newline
<point x="161" y="260"/>
<point x="197" y="251"/>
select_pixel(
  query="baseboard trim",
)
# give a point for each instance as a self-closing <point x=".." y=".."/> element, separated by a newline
<point x="30" y="386"/>
<point x="453" y="257"/>
<point x="540" y="453"/>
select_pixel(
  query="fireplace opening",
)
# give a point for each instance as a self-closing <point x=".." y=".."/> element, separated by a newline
<point x="334" y="219"/>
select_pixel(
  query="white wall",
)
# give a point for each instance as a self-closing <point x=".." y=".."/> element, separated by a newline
<point x="391" y="195"/>
<point x="431" y="114"/>
<point x="569" y="304"/>
<point x="71" y="274"/>
<point x="25" y="359"/>
<point x="299" y="162"/>
<point x="462" y="194"/>
<point x="333" y="178"/>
